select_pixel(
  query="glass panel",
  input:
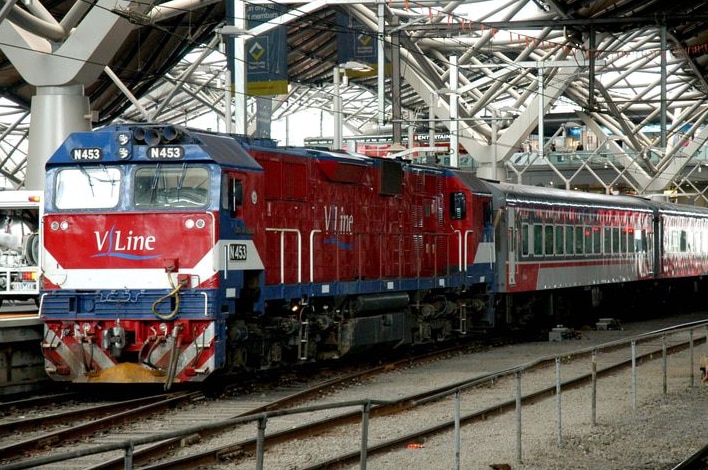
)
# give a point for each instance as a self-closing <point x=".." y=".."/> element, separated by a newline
<point x="569" y="241"/>
<point x="596" y="235"/>
<point x="587" y="245"/>
<point x="616" y="240"/>
<point x="87" y="188"/>
<point x="548" y="239"/>
<point x="171" y="186"/>
<point x="525" y="239"/>
<point x="538" y="240"/>
<point x="607" y="239"/>
<point x="560" y="246"/>
<point x="579" y="237"/>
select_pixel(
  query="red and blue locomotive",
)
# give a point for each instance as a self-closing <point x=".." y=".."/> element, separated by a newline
<point x="172" y="254"/>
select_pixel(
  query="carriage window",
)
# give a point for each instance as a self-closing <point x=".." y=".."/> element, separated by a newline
<point x="559" y="240"/>
<point x="608" y="240"/>
<point x="579" y="237"/>
<point x="673" y="241"/>
<point x="569" y="242"/>
<point x="171" y="186"/>
<point x="588" y="240"/>
<point x="538" y="239"/>
<point x="458" y="206"/>
<point x="596" y="239"/>
<point x="622" y="240"/>
<point x="615" y="240"/>
<point x="640" y="241"/>
<point x="525" y="239"/>
<point x="87" y="188"/>
<point x="548" y="239"/>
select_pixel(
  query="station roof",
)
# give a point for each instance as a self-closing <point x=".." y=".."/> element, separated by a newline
<point x="174" y="68"/>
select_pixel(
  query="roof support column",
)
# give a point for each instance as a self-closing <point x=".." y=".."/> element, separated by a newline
<point x="238" y="118"/>
<point x="56" y="111"/>
<point x="59" y="58"/>
<point x="454" y="114"/>
<point x="381" y="64"/>
<point x="662" y="113"/>
<point x="396" y="83"/>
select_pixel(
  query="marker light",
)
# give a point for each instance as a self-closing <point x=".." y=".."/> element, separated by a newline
<point x="189" y="224"/>
<point x="123" y="138"/>
<point x="123" y="153"/>
<point x="34" y="199"/>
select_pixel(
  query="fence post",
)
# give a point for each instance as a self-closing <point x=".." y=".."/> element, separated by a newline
<point x="457" y="429"/>
<point x="260" y="442"/>
<point x="364" y="433"/>
<point x="634" y="375"/>
<point x="664" y="363"/>
<point x="593" y="392"/>
<point x="518" y="417"/>
<point x="128" y="460"/>
<point x="558" y="401"/>
<point x="690" y="348"/>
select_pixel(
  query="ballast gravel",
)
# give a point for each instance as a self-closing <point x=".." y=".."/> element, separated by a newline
<point x="647" y="430"/>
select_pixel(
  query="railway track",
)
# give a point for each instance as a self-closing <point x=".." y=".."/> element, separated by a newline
<point x="39" y="400"/>
<point x="21" y="438"/>
<point x="92" y="419"/>
<point x="247" y="450"/>
<point x="237" y="443"/>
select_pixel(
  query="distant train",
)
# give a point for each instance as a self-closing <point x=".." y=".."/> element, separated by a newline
<point x="171" y="255"/>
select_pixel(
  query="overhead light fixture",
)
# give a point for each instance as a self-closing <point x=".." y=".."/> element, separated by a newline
<point x="230" y="30"/>
<point x="355" y="66"/>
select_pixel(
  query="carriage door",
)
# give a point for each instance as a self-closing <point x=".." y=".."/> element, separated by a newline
<point x="511" y="243"/>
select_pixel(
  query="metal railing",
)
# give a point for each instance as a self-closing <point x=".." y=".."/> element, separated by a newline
<point x="634" y="359"/>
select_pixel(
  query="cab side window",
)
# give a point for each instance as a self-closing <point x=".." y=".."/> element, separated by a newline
<point x="231" y="194"/>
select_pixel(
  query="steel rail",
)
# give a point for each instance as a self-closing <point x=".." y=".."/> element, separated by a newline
<point x="15" y="449"/>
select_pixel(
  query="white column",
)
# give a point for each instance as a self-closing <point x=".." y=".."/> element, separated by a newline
<point x="541" y="112"/>
<point x="337" y="111"/>
<point x="454" y="115"/>
<point x="495" y="127"/>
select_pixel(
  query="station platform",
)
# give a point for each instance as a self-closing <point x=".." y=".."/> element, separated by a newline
<point x="21" y="361"/>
